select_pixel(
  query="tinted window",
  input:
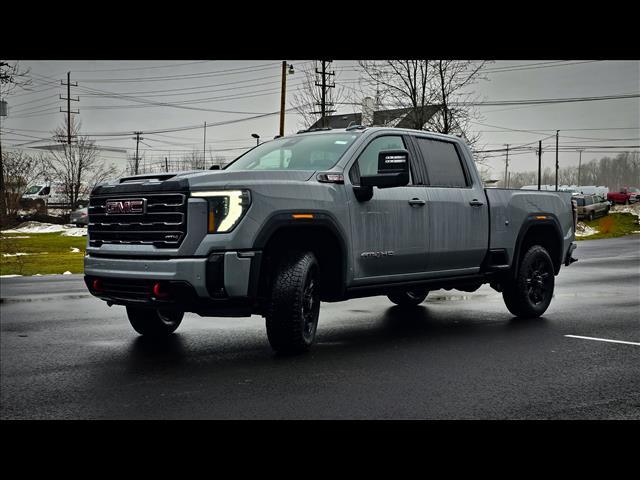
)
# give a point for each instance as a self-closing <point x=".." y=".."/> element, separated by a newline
<point x="580" y="202"/>
<point x="444" y="167"/>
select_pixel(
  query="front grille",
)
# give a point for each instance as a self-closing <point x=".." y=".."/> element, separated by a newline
<point x="163" y="224"/>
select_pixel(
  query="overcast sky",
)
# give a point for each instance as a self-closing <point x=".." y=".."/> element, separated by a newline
<point x="233" y="90"/>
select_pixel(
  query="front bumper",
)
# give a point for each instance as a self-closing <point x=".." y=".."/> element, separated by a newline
<point x="194" y="284"/>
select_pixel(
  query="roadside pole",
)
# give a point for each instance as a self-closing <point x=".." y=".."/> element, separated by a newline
<point x="539" y="163"/>
<point x="557" y="132"/>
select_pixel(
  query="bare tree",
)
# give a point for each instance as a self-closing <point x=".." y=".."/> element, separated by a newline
<point x="419" y="84"/>
<point x="20" y="170"/>
<point x="77" y="166"/>
<point x="193" y="160"/>
<point x="11" y="77"/>
<point x="402" y="84"/>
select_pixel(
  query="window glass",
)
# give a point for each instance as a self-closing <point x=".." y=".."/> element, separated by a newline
<point x="304" y="152"/>
<point x="444" y="166"/>
<point x="367" y="163"/>
<point x="580" y="202"/>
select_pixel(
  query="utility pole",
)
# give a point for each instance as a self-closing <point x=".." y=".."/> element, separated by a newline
<point x="204" y="147"/>
<point x="324" y="90"/>
<point x="166" y="165"/>
<point x="539" y="163"/>
<point x="137" y="138"/>
<point x="557" y="164"/>
<point x="69" y="100"/>
<point x="506" y="169"/>
<point x="579" y="165"/>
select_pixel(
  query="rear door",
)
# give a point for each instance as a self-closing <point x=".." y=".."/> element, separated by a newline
<point x="457" y="210"/>
<point x="389" y="231"/>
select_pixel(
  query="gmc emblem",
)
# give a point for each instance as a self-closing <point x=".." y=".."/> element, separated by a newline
<point x="120" y="207"/>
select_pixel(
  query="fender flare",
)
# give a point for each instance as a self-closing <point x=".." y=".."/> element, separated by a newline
<point x="529" y="222"/>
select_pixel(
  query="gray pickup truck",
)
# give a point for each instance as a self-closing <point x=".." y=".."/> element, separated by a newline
<point x="323" y="215"/>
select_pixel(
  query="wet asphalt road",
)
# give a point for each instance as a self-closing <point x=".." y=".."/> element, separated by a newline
<point x="66" y="355"/>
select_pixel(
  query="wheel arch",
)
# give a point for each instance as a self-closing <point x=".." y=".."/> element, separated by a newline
<point x="539" y="231"/>
<point x="320" y="234"/>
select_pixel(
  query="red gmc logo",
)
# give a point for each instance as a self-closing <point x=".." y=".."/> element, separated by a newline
<point x="124" y="206"/>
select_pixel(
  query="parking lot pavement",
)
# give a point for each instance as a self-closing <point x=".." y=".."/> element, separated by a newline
<point x="67" y="355"/>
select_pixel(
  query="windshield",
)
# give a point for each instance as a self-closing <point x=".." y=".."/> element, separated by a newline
<point x="633" y="189"/>
<point x="580" y="202"/>
<point x="32" y="190"/>
<point x="306" y="152"/>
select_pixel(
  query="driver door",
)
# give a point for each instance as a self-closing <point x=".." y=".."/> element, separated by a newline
<point x="389" y="231"/>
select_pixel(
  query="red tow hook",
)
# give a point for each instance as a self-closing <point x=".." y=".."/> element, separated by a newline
<point x="97" y="285"/>
<point x="158" y="291"/>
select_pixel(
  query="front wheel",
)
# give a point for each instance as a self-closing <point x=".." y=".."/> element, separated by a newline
<point x="292" y="314"/>
<point x="154" y="322"/>
<point x="409" y="298"/>
<point x="591" y="216"/>
<point x="530" y="294"/>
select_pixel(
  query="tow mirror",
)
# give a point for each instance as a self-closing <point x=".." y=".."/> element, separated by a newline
<point x="393" y="170"/>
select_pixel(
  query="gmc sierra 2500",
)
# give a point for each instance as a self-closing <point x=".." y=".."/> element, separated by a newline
<point x="321" y="216"/>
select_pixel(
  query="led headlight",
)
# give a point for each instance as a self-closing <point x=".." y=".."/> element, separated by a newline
<point x="226" y="208"/>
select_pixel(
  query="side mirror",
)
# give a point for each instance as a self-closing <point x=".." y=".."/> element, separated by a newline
<point x="214" y="167"/>
<point x="393" y="170"/>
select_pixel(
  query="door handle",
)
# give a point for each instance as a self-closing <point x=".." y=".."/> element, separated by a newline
<point x="476" y="203"/>
<point x="417" y="202"/>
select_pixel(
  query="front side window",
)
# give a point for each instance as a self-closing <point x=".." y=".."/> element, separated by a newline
<point x="33" y="190"/>
<point x="306" y="152"/>
<point x="367" y="163"/>
<point x="444" y="165"/>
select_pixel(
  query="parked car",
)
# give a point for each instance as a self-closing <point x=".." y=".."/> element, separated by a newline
<point x="626" y="195"/>
<point x="80" y="217"/>
<point x="323" y="215"/>
<point x="591" y="206"/>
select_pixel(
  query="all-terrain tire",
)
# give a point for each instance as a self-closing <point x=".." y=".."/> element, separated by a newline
<point x="294" y="305"/>
<point x="154" y="322"/>
<point x="409" y="298"/>
<point x="530" y="294"/>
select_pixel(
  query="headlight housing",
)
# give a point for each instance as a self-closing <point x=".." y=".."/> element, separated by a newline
<point x="226" y="208"/>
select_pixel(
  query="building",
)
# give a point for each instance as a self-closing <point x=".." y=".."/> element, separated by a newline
<point x="398" y="117"/>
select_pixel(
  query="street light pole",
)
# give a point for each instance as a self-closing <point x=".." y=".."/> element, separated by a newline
<point x="579" y="165"/>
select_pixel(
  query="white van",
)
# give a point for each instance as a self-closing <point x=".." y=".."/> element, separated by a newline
<point x="51" y="194"/>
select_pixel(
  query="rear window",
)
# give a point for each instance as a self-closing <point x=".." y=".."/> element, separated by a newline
<point x="444" y="166"/>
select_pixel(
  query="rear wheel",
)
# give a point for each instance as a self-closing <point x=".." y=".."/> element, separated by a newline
<point x="590" y="216"/>
<point x="409" y="298"/>
<point x="294" y="307"/>
<point x="530" y="294"/>
<point x="154" y="322"/>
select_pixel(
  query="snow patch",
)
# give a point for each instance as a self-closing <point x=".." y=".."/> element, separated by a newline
<point x="9" y="276"/>
<point x="583" y="230"/>
<point x="17" y="236"/>
<point x="75" y="232"/>
<point x="67" y="273"/>
<point x="41" y="227"/>
<point x="75" y="250"/>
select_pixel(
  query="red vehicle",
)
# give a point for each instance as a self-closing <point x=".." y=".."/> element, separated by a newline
<point x="626" y="195"/>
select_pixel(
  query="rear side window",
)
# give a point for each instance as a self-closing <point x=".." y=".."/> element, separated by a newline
<point x="444" y="166"/>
